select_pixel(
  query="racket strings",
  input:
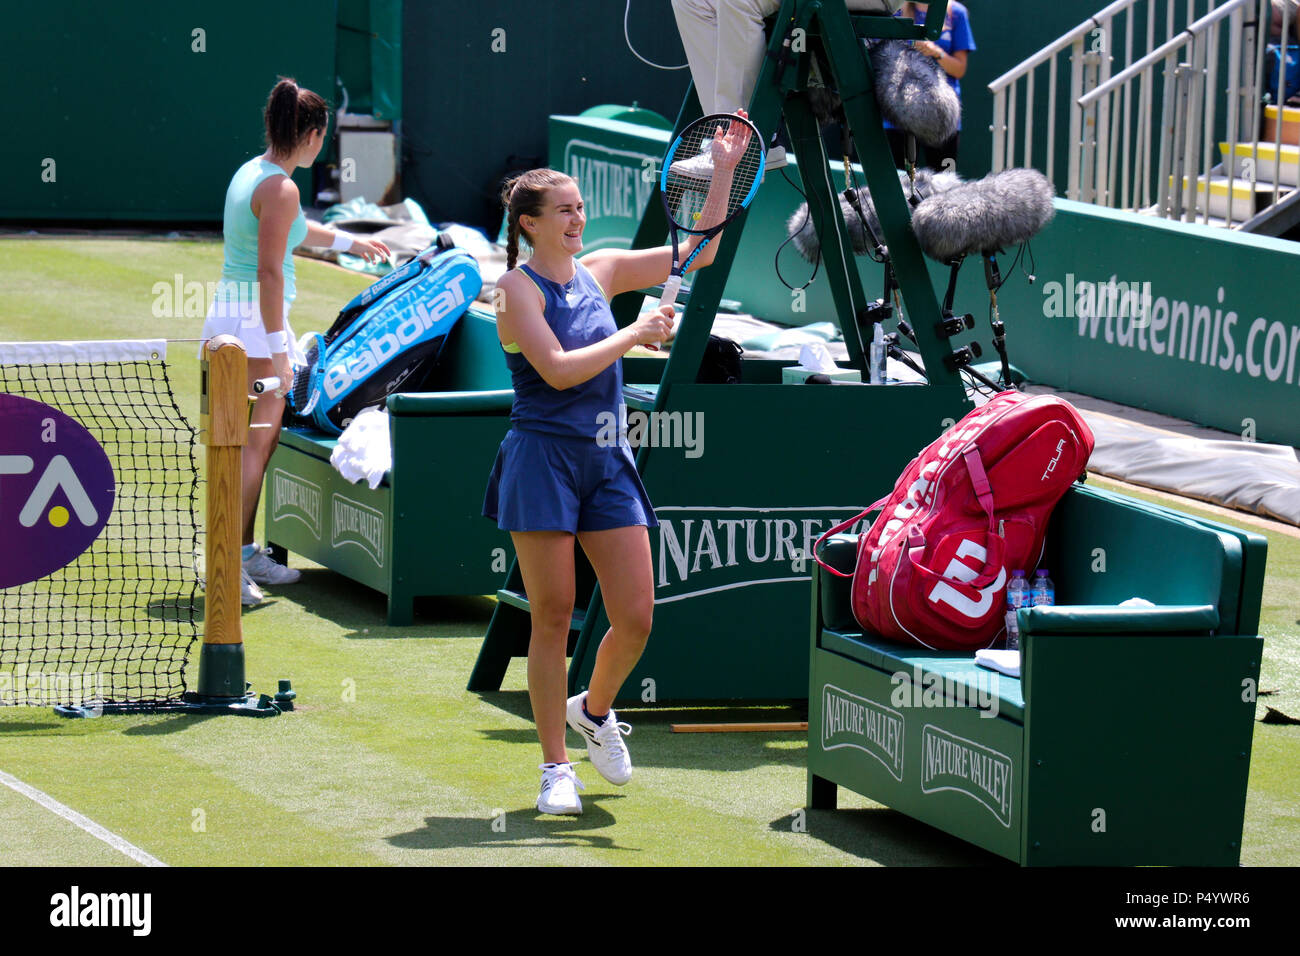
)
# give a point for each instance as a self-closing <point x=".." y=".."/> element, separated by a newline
<point x="708" y="150"/>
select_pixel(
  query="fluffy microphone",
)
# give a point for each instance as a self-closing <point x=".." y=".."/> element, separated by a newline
<point x="1000" y="210"/>
<point x="804" y="236"/>
<point x="913" y="92"/>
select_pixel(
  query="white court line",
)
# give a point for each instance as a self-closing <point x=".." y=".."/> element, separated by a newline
<point x="85" y="823"/>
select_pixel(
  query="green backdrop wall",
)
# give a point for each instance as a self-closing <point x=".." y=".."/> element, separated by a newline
<point x="470" y="113"/>
<point x="142" y="126"/>
<point x="125" y="112"/>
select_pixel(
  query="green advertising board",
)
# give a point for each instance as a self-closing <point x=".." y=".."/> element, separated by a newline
<point x="1183" y="319"/>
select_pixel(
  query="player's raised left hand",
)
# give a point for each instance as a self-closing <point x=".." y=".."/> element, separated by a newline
<point x="730" y="146"/>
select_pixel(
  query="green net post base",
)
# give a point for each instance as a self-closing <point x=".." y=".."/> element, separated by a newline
<point x="221" y="671"/>
<point x="222" y="690"/>
<point x="246" y="705"/>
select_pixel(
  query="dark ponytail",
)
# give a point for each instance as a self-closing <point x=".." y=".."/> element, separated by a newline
<point x="524" y="195"/>
<point x="291" y="113"/>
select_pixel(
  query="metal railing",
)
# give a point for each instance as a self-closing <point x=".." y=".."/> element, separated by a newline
<point x="1125" y="151"/>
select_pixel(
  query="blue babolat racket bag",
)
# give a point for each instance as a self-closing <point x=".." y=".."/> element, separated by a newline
<point x="391" y="334"/>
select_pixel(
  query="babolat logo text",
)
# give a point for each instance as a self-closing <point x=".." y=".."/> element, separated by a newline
<point x="949" y="762"/>
<point x="77" y="909"/>
<point x="852" y="721"/>
<point x="296" y="498"/>
<point x="380" y="349"/>
<point x="920" y="688"/>
<point x="652" y="430"/>
<point x="358" y="525"/>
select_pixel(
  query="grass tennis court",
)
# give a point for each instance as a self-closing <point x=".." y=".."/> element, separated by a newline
<point x="388" y="760"/>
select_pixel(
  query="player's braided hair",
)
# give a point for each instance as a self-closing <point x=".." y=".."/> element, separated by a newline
<point x="523" y="196"/>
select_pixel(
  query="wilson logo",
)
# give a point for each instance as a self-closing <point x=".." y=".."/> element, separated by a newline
<point x="358" y="526"/>
<point x="958" y="570"/>
<point x="57" y="490"/>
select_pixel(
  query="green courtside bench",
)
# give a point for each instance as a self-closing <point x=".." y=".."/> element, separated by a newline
<point x="1126" y="740"/>
<point x="421" y="532"/>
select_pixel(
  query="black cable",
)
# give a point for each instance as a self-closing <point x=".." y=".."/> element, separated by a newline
<point x="776" y="260"/>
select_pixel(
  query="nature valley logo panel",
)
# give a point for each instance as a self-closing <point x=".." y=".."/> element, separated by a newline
<point x="356" y="525"/>
<point x="296" y="499"/>
<point x="616" y="185"/>
<point x="949" y="762"/>
<point x="852" y="721"/>
<point x="703" y="550"/>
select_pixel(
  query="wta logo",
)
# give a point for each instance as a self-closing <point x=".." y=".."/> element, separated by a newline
<point x="56" y="490"/>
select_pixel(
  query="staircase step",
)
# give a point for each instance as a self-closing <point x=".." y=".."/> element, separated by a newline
<point x="1290" y="124"/>
<point x="1265" y="162"/>
<point x="1248" y="197"/>
<point x="519" y="600"/>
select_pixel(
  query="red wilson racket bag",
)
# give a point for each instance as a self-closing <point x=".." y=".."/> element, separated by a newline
<point x="933" y="569"/>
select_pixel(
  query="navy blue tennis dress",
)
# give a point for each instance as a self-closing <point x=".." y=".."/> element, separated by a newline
<point x="551" y="472"/>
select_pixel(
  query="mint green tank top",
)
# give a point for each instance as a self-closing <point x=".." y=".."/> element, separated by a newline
<point x="239" y="228"/>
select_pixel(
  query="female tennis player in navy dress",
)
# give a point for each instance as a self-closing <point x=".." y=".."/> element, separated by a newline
<point x="553" y="482"/>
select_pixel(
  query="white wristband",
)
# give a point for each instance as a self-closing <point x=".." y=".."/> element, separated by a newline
<point x="277" y="342"/>
<point x="342" y="242"/>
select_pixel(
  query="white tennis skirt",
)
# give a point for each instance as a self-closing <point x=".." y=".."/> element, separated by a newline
<point x="244" y="321"/>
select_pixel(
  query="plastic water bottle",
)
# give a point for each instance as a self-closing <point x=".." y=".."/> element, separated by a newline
<point x="878" y="355"/>
<point x="1043" y="590"/>
<point x="1017" y="597"/>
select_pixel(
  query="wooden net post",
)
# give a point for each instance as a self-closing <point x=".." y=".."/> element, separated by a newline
<point x="224" y="410"/>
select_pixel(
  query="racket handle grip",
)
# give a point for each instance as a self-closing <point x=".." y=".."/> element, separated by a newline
<point x="671" y="288"/>
<point x="266" y="384"/>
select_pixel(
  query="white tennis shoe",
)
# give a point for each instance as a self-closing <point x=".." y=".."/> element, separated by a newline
<point x="605" y="744"/>
<point x="266" y="571"/>
<point x="700" y="166"/>
<point x="560" y="786"/>
<point x="249" y="593"/>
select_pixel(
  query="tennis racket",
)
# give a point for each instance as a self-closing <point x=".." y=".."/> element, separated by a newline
<point x="711" y="172"/>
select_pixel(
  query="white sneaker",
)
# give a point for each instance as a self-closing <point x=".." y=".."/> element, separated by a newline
<point x="265" y="570"/>
<point x="249" y="593"/>
<point x="560" y="786"/>
<point x="700" y="166"/>
<point x="605" y="744"/>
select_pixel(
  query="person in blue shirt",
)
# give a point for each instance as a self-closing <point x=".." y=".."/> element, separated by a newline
<point x="556" y="479"/>
<point x="262" y="224"/>
<point x="951" y="51"/>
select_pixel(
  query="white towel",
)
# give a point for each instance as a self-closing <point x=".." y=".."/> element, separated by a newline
<point x="364" y="449"/>
<point x="1005" y="662"/>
